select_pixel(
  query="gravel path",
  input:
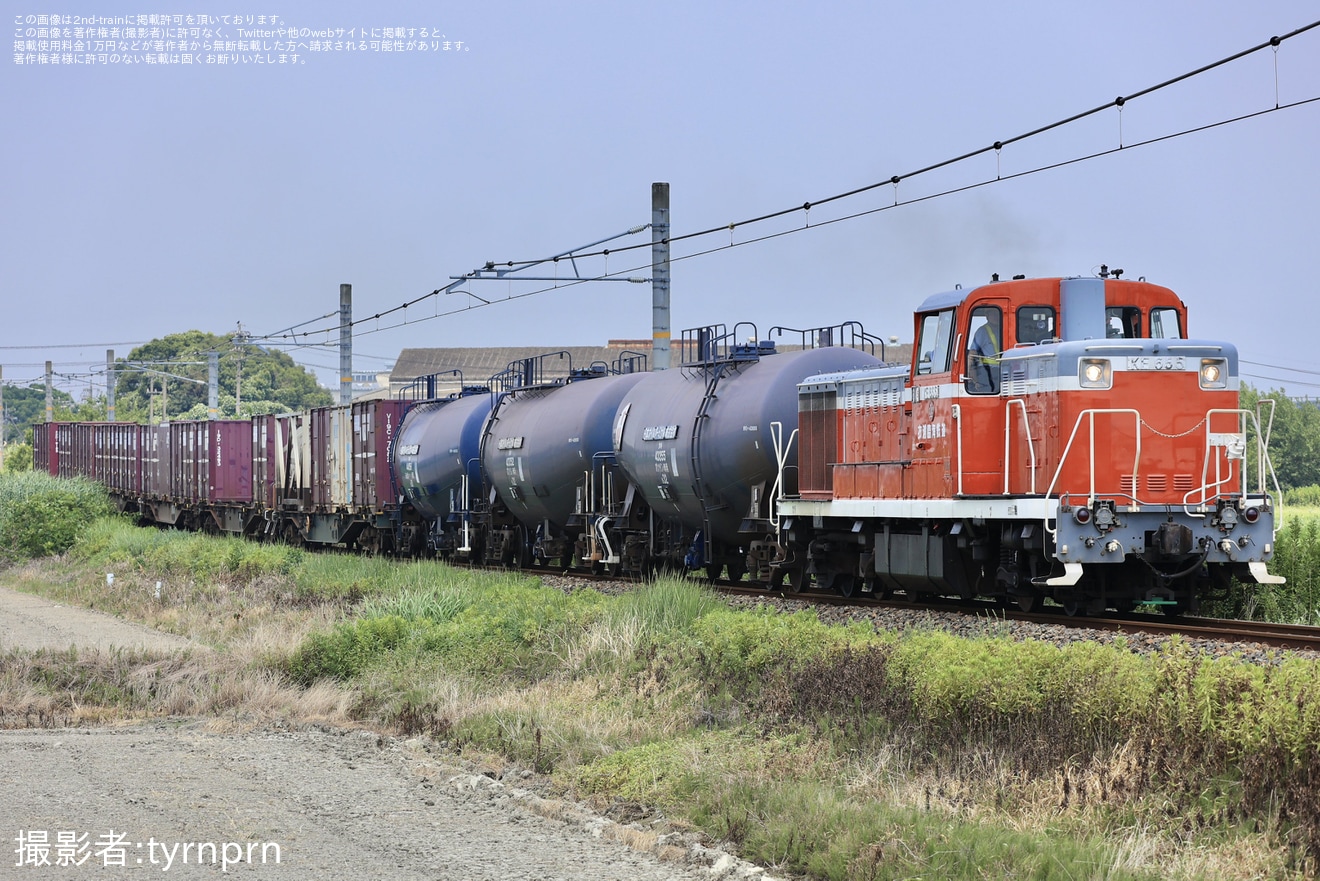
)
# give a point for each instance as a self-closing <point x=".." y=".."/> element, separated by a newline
<point x="336" y="804"/>
<point x="32" y="622"/>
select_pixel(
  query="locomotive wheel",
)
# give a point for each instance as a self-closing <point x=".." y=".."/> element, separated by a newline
<point x="1175" y="610"/>
<point x="1074" y="606"/>
<point x="846" y="584"/>
<point x="1028" y="602"/>
<point x="737" y="571"/>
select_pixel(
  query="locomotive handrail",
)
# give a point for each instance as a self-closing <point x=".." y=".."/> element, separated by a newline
<point x="782" y="449"/>
<point x="1063" y="458"/>
<point x="956" y="412"/>
<point x="1263" y="464"/>
<point x="1091" y="414"/>
<point x="1008" y="427"/>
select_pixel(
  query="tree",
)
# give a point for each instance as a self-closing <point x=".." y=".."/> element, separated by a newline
<point x="26" y="406"/>
<point x="1294" y="437"/>
<point x="169" y="376"/>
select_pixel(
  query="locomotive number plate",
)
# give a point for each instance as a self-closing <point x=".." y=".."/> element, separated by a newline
<point x="1156" y="362"/>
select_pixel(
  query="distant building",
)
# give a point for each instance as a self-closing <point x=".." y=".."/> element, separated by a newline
<point x="476" y="366"/>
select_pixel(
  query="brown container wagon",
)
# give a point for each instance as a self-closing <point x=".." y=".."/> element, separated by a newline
<point x="331" y="434"/>
<point x="120" y="444"/>
<point x="375" y="424"/>
<point x="45" y="455"/>
<point x="226" y="469"/>
<point x="156" y="446"/>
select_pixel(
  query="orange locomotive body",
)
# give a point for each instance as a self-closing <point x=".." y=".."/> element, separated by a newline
<point x="1058" y="438"/>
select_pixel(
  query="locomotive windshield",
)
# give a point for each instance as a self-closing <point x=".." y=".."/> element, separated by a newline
<point x="1123" y="322"/>
<point x="1035" y="324"/>
<point x="1164" y="324"/>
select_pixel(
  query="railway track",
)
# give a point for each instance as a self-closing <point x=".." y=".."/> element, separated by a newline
<point x="1282" y="636"/>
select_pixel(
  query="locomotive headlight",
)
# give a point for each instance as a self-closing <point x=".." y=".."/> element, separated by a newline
<point x="1214" y="373"/>
<point x="1095" y="373"/>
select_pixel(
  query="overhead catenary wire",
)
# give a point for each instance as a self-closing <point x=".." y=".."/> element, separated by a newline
<point x="1119" y="102"/>
<point x="795" y="230"/>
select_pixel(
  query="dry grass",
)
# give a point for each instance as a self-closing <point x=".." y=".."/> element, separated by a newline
<point x="93" y="687"/>
<point x="254" y="627"/>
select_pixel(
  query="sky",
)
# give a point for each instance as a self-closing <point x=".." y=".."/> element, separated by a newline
<point x="145" y="198"/>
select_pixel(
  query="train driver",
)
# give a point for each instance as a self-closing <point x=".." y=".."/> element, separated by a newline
<point x="983" y="351"/>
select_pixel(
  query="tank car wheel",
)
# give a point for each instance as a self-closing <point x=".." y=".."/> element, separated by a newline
<point x="846" y="585"/>
<point x="736" y="571"/>
<point x="793" y="580"/>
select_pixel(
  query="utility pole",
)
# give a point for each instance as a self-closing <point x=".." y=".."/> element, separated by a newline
<point x="50" y="396"/>
<point x="659" y="276"/>
<point x="212" y="385"/>
<point x="109" y="385"/>
<point x="345" y="344"/>
<point x="240" y="337"/>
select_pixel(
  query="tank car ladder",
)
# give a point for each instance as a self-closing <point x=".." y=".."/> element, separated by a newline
<point x="699" y="482"/>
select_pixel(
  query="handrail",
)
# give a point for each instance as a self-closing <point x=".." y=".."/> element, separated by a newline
<point x="782" y="449"/>
<point x="1063" y="457"/>
<point x="1031" y="447"/>
<point x="956" y="413"/>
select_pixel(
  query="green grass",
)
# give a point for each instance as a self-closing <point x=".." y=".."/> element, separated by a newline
<point x="42" y="515"/>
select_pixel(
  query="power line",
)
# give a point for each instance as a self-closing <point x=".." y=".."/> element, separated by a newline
<point x="1280" y="367"/>
<point x="894" y="180"/>
<point x="79" y="345"/>
<point x="1289" y="382"/>
<point x="795" y="230"/>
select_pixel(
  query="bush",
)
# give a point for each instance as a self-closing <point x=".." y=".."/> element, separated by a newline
<point x="42" y="515"/>
<point x="162" y="552"/>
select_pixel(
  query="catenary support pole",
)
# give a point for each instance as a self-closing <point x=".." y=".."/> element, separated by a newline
<point x="345" y="344"/>
<point x="50" y="395"/>
<point x="659" y="276"/>
<point x="212" y="385"/>
<point x="109" y="385"/>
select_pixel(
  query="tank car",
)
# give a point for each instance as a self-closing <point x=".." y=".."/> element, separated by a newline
<point x="546" y="454"/>
<point x="1058" y="439"/>
<point x="699" y="444"/>
<point x="437" y="463"/>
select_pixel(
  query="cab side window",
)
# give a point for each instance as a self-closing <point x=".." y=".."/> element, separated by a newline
<point x="985" y="342"/>
<point x="1035" y="324"/>
<point x="936" y="342"/>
